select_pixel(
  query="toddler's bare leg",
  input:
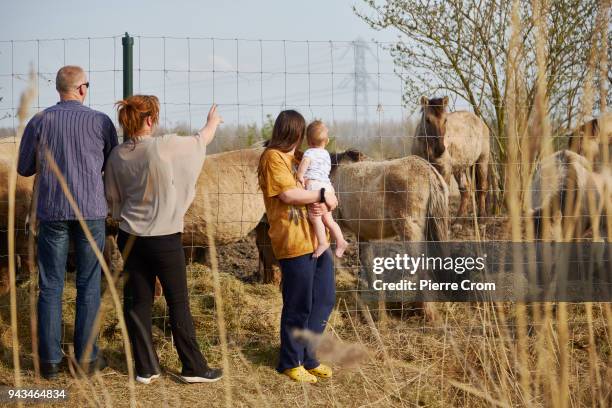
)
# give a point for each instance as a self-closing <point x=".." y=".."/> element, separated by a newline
<point x="320" y="232"/>
<point x="336" y="233"/>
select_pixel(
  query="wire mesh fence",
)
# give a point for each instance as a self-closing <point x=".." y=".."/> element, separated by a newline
<point x="354" y="86"/>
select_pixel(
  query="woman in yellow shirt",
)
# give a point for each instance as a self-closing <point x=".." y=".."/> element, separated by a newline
<point x="308" y="285"/>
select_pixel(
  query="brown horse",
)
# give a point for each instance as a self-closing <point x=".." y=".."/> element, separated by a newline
<point x="590" y="140"/>
<point x="454" y="142"/>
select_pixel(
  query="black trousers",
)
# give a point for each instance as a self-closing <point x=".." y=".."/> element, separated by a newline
<point x="146" y="259"/>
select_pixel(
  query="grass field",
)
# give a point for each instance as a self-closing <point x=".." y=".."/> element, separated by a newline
<point x="468" y="356"/>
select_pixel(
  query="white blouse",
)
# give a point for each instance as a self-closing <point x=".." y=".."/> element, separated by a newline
<point x="150" y="185"/>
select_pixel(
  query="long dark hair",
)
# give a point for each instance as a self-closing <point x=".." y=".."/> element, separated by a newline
<point x="288" y="132"/>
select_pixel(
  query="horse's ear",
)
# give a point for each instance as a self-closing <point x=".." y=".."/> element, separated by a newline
<point x="445" y="101"/>
<point x="424" y="101"/>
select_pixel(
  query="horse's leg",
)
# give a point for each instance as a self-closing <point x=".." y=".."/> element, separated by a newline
<point x="366" y="275"/>
<point x="462" y="183"/>
<point x="366" y="257"/>
<point x="482" y="183"/>
<point x="410" y="226"/>
<point x="444" y="167"/>
<point x="268" y="269"/>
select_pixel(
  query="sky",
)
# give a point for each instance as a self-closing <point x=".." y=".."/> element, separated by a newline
<point x="294" y="66"/>
<point x="265" y="19"/>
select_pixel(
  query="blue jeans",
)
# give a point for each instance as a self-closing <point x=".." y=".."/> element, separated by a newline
<point x="53" y="244"/>
<point x="309" y="294"/>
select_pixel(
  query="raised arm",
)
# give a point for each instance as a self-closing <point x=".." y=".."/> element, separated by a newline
<point x="213" y="120"/>
<point x="188" y="145"/>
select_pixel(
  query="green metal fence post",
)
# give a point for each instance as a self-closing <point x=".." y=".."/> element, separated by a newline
<point x="128" y="65"/>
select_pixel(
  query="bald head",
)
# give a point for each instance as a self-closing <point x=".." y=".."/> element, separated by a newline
<point x="69" y="78"/>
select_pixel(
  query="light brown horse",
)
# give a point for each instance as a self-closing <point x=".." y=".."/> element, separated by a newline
<point x="454" y="142"/>
<point x="404" y="198"/>
<point x="591" y="138"/>
<point x="575" y="200"/>
<point x="227" y="198"/>
<point x="379" y="200"/>
<point x="23" y="197"/>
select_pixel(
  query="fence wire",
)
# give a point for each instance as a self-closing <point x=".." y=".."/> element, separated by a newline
<point x="353" y="86"/>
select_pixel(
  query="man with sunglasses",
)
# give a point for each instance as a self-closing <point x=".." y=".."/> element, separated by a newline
<point x="78" y="140"/>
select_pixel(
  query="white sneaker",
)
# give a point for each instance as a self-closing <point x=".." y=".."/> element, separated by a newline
<point x="147" y="380"/>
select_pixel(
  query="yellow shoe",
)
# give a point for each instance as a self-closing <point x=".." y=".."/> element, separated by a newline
<point x="322" y="371"/>
<point x="300" y="374"/>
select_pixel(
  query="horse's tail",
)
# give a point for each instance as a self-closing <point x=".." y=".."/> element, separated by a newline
<point x="437" y="208"/>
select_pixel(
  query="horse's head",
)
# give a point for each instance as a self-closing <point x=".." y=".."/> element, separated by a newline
<point x="347" y="156"/>
<point x="585" y="140"/>
<point x="432" y="127"/>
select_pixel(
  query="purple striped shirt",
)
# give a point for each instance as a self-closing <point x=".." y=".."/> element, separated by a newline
<point x="79" y="140"/>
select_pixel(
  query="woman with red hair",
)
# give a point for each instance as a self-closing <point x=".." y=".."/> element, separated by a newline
<point x="150" y="184"/>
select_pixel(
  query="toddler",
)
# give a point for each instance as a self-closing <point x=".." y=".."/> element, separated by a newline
<point x="313" y="173"/>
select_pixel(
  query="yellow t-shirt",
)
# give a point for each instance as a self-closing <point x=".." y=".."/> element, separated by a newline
<point x="290" y="232"/>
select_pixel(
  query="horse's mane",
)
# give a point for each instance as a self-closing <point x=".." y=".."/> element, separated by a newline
<point x="352" y="155"/>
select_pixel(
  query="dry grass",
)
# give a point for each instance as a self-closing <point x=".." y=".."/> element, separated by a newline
<point x="469" y="359"/>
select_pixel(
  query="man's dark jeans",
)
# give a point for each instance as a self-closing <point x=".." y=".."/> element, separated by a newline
<point x="53" y="243"/>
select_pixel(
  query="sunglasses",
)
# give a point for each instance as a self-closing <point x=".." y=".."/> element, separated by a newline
<point x="86" y="85"/>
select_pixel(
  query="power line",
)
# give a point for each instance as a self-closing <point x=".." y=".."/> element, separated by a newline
<point x="360" y="80"/>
